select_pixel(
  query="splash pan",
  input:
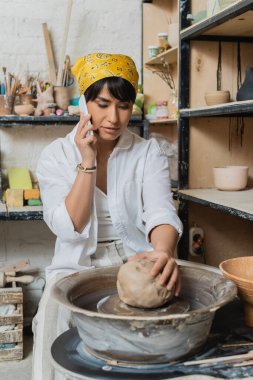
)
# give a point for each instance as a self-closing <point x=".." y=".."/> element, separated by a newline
<point x="144" y="339"/>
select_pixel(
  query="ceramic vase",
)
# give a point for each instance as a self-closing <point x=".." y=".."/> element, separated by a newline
<point x="246" y="90"/>
<point x="61" y="97"/>
<point x="6" y="104"/>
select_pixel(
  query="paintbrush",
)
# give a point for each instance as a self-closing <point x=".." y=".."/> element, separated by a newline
<point x="5" y="79"/>
<point x="65" y="72"/>
<point x="9" y="83"/>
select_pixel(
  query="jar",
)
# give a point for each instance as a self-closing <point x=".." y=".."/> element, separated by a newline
<point x="163" y="42"/>
<point x="162" y="109"/>
<point x="153" y="51"/>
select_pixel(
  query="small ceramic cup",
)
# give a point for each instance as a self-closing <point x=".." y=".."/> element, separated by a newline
<point x="61" y="96"/>
<point x="153" y="51"/>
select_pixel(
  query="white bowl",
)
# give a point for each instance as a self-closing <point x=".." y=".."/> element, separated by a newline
<point x="230" y="178"/>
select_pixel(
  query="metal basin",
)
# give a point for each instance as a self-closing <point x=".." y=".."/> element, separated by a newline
<point x="137" y="340"/>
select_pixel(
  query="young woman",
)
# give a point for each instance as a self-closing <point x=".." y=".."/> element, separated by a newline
<point x="106" y="197"/>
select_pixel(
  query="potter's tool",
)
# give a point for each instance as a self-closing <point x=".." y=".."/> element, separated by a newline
<point x="65" y="36"/>
<point x="223" y="359"/>
<point x="50" y="54"/>
<point x="84" y="110"/>
<point x="238" y="344"/>
<point x="4" y="279"/>
<point x="113" y="305"/>
<point x="10" y="270"/>
<point x="247" y="363"/>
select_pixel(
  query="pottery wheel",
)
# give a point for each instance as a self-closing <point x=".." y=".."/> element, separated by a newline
<point x="113" y="305"/>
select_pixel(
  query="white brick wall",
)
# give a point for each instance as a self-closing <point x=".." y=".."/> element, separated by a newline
<point x="96" y="25"/>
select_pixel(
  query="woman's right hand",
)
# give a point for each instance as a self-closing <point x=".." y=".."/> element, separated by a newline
<point x="86" y="144"/>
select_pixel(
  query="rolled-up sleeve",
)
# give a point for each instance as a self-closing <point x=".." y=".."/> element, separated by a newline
<point x="157" y="197"/>
<point x="54" y="187"/>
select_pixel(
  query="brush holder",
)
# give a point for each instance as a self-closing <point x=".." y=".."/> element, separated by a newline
<point x="6" y="104"/>
<point x="61" y="96"/>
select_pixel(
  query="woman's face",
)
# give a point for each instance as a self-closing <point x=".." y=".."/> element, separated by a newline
<point x="109" y="115"/>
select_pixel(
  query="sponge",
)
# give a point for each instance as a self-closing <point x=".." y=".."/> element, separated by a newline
<point x="19" y="178"/>
<point x="32" y="194"/>
<point x="14" y="198"/>
<point x="34" y="202"/>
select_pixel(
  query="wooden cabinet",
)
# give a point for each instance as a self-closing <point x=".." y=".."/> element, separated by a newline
<point x="215" y="135"/>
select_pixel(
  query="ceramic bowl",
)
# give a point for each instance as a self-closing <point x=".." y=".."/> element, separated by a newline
<point x="230" y="178"/>
<point x="217" y="97"/>
<point x="240" y="270"/>
<point x="144" y="339"/>
<point x="24" y="109"/>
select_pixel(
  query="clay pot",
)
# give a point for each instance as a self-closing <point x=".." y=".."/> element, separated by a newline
<point x="240" y="270"/>
<point x="6" y="104"/>
<point x="26" y="99"/>
<point x="217" y="97"/>
<point x="24" y="109"/>
<point x="246" y="90"/>
<point x="230" y="178"/>
<point x="144" y="339"/>
<point x="61" y="97"/>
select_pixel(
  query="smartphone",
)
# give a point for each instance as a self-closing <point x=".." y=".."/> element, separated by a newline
<point x="83" y="108"/>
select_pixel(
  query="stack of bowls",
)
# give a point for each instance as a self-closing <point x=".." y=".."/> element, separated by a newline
<point x="240" y="270"/>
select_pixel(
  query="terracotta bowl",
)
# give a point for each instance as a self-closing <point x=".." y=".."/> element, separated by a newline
<point x="144" y="339"/>
<point x="24" y="109"/>
<point x="217" y="97"/>
<point x="230" y="178"/>
<point x="240" y="270"/>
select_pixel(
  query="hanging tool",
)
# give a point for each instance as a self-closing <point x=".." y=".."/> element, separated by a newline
<point x="50" y="54"/>
<point x="11" y="269"/>
<point x="4" y="279"/>
<point x="65" y="37"/>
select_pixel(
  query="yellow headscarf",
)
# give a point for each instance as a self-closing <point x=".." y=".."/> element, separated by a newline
<point x="95" y="66"/>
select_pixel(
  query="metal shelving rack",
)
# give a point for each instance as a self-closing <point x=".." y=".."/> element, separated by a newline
<point x="219" y="27"/>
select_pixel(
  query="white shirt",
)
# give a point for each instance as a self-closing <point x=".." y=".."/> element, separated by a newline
<point x="138" y="193"/>
<point x="106" y="230"/>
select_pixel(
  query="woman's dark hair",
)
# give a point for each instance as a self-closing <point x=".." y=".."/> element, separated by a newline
<point x="118" y="87"/>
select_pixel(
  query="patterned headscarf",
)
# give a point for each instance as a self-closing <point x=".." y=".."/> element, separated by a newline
<point x="95" y="66"/>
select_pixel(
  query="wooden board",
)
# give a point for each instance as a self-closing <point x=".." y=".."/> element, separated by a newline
<point x="50" y="54"/>
<point x="226" y="236"/>
<point x="15" y="353"/>
<point x="12" y="336"/>
<point x="209" y="147"/>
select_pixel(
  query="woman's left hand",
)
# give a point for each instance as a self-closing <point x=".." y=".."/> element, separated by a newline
<point x="164" y="264"/>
